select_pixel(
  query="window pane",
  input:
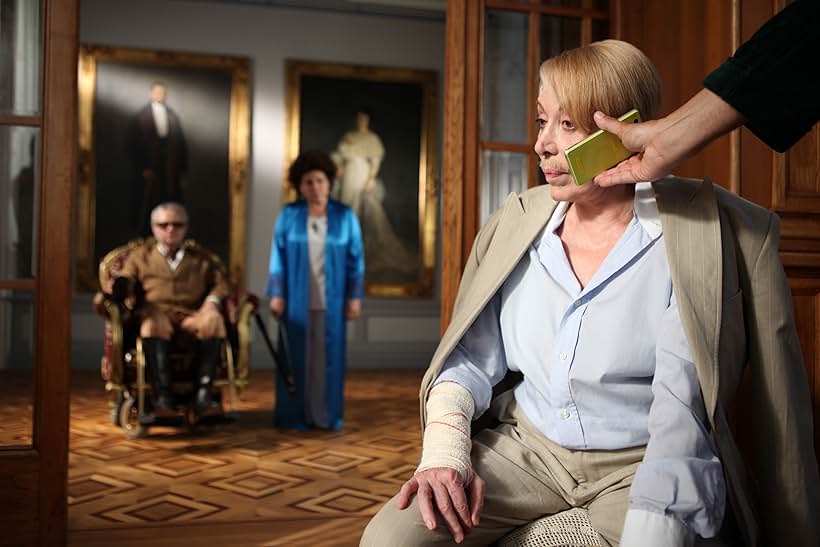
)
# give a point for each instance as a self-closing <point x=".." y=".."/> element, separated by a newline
<point x="16" y="367"/>
<point x="19" y="186"/>
<point x="558" y="34"/>
<point x="20" y="57"/>
<point x="505" y="77"/>
<point x="600" y="29"/>
<point x="501" y="173"/>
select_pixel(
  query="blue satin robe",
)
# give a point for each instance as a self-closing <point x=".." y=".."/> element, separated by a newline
<point x="289" y="278"/>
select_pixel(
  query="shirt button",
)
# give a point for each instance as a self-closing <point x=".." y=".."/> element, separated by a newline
<point x="562" y="355"/>
<point x="578" y="303"/>
<point x="565" y="414"/>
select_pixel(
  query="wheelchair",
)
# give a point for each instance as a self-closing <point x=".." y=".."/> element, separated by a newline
<point x="123" y="364"/>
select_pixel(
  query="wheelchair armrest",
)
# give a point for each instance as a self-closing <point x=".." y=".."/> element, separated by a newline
<point x="98" y="303"/>
<point x="235" y="302"/>
<point x="108" y="307"/>
<point x="115" y="313"/>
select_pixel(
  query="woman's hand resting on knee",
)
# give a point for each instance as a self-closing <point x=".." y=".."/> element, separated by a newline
<point x="442" y="489"/>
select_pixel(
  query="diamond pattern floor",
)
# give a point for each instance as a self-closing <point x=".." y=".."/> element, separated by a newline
<point x="244" y="483"/>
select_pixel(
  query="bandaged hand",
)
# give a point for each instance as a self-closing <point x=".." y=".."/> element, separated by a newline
<point x="446" y="441"/>
<point x="445" y="471"/>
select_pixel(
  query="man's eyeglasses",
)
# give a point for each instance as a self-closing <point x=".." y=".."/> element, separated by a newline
<point x="165" y="225"/>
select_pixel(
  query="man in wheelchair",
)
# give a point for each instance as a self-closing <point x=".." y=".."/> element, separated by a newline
<point x="178" y="289"/>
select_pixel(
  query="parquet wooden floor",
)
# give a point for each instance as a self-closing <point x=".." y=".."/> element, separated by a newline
<point x="16" y="407"/>
<point x="243" y="483"/>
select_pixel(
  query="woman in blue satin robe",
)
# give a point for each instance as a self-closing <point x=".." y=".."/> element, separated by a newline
<point x="316" y="283"/>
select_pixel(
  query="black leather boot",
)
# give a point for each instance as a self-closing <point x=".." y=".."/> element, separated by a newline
<point x="210" y="352"/>
<point x="159" y="369"/>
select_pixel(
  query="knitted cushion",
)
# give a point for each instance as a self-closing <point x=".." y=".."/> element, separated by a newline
<point x="570" y="528"/>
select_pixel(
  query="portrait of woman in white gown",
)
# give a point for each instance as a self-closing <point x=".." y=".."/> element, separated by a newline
<point x="359" y="155"/>
<point x="378" y="125"/>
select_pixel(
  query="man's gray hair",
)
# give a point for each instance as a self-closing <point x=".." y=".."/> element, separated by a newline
<point x="170" y="206"/>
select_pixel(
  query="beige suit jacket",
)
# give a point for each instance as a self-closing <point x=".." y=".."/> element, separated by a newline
<point x="736" y="310"/>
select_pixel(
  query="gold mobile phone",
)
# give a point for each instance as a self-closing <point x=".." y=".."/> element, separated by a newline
<point x="598" y="152"/>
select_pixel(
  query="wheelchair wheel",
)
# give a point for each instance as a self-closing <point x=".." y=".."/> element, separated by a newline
<point x="130" y="419"/>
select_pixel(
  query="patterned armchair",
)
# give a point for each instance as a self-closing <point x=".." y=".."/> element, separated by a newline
<point x="123" y="365"/>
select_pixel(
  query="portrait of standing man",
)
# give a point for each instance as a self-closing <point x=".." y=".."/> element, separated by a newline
<point x="153" y="121"/>
<point x="158" y="153"/>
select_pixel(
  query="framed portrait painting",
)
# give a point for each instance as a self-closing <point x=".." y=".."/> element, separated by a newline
<point x="378" y="124"/>
<point x="159" y="126"/>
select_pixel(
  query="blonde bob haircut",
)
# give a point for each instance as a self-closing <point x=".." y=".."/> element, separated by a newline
<point x="611" y="76"/>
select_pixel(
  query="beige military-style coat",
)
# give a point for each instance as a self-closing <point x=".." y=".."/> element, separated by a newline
<point x="181" y="291"/>
<point x="737" y="314"/>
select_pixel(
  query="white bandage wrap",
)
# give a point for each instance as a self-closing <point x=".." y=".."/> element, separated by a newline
<point x="446" y="443"/>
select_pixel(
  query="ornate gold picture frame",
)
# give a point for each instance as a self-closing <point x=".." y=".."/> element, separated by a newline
<point x="208" y="122"/>
<point x="379" y="125"/>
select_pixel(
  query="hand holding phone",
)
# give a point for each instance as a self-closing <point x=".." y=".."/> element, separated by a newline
<point x="598" y="152"/>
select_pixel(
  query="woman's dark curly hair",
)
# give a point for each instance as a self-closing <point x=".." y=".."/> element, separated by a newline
<point x="311" y="160"/>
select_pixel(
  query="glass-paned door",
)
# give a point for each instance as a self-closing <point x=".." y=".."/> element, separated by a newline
<point x="516" y="37"/>
<point x="20" y="120"/>
<point x="38" y="121"/>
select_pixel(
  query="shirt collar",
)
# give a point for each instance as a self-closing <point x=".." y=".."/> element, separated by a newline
<point x="165" y="251"/>
<point x="645" y="208"/>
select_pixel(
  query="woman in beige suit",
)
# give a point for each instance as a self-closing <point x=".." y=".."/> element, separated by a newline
<point x="603" y="333"/>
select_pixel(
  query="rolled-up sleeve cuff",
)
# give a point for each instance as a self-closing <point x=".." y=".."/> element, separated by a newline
<point x="648" y="529"/>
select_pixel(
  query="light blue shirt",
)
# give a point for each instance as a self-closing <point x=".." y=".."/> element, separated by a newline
<point x="605" y="367"/>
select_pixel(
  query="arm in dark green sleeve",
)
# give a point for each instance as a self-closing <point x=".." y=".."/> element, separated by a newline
<point x="772" y="79"/>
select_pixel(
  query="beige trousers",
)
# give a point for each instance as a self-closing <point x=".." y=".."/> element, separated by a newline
<point x="527" y="476"/>
<point x="163" y="322"/>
